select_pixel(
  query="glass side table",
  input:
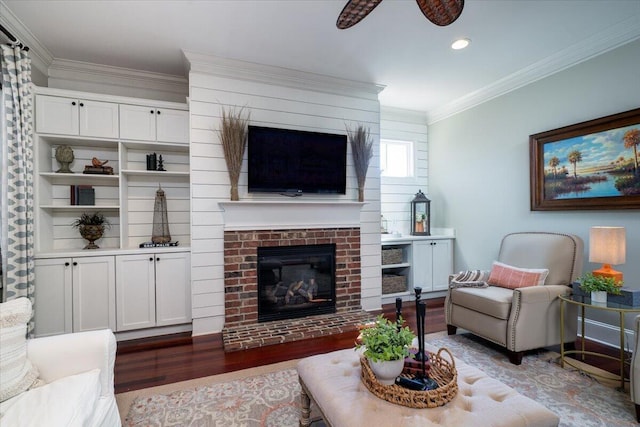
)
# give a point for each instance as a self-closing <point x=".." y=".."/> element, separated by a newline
<point x="585" y="302"/>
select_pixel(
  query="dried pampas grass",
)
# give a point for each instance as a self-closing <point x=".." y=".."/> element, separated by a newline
<point x="233" y="136"/>
<point x="361" y="151"/>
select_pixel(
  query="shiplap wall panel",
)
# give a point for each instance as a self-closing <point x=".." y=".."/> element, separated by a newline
<point x="396" y="194"/>
<point x="274" y="105"/>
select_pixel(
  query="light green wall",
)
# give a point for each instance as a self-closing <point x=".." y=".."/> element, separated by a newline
<point x="479" y="159"/>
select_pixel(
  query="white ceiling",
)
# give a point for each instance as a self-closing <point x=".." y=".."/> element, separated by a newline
<point x="513" y="41"/>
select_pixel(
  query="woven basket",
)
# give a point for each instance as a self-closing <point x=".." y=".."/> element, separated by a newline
<point x="442" y="372"/>
<point x="393" y="283"/>
<point x="391" y="256"/>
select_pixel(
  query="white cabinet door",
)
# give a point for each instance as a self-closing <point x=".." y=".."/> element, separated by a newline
<point x="421" y="265"/>
<point x="57" y="115"/>
<point x="137" y="122"/>
<point x="98" y="119"/>
<point x="432" y="263"/>
<point x="172" y="126"/>
<point x="173" y="288"/>
<point x="94" y="293"/>
<point x="52" y="308"/>
<point x="442" y="263"/>
<point x="135" y="292"/>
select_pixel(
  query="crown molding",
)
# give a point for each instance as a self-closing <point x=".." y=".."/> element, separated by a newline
<point x="402" y="115"/>
<point x="40" y="56"/>
<point x="618" y="35"/>
<point x="236" y="69"/>
<point x="76" y="71"/>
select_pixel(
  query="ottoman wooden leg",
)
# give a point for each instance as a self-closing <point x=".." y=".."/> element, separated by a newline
<point x="305" y="407"/>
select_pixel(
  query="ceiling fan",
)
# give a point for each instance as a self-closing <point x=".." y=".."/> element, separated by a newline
<point x="440" y="12"/>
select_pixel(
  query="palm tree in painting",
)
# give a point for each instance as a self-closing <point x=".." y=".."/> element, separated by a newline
<point x="553" y="164"/>
<point x="574" y="157"/>
<point x="631" y="139"/>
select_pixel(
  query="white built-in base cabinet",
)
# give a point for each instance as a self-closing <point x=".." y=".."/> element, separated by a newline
<point x="432" y="264"/>
<point x="153" y="290"/>
<point x="74" y="295"/>
<point x="119" y="292"/>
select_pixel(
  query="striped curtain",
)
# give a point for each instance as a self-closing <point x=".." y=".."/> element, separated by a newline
<point x="17" y="174"/>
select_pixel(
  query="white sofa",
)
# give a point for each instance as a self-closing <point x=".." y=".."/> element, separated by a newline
<point x="78" y="372"/>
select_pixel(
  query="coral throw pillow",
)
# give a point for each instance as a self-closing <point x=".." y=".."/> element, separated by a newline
<point x="507" y="276"/>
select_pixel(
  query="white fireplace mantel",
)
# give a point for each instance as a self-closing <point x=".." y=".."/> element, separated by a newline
<point x="273" y="215"/>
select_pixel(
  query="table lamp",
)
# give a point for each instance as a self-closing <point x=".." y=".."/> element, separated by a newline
<point x="607" y="245"/>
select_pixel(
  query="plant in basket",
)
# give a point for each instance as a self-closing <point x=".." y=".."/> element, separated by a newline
<point x="386" y="345"/>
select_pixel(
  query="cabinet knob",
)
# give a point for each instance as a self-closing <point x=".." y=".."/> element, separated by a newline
<point x="158" y="112"/>
<point x="66" y="264"/>
<point x="158" y="259"/>
<point x="82" y="104"/>
<point x="150" y="258"/>
<point x="152" y="111"/>
<point x="73" y="102"/>
<point x="75" y="263"/>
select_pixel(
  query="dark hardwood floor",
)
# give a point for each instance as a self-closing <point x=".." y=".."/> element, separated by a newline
<point x="163" y="360"/>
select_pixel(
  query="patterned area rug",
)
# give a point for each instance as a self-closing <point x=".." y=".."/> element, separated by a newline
<point x="269" y="396"/>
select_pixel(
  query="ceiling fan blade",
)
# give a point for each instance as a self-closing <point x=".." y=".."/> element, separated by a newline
<point x="355" y="11"/>
<point x="441" y="12"/>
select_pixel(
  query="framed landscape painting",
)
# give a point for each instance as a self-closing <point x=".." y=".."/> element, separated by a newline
<point x="589" y="165"/>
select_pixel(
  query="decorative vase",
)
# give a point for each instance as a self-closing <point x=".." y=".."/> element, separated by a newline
<point x="91" y="233"/>
<point x="387" y="371"/>
<point x="599" y="296"/>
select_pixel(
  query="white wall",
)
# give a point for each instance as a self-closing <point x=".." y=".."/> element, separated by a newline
<point x="278" y="98"/>
<point x="397" y="193"/>
<point x="479" y="160"/>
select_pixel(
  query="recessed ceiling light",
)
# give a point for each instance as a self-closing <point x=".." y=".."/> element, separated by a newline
<point x="460" y="44"/>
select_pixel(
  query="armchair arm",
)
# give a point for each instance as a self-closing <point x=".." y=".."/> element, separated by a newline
<point x="534" y="320"/>
<point x="69" y="354"/>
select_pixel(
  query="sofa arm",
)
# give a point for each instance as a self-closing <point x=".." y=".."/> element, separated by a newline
<point x="69" y="354"/>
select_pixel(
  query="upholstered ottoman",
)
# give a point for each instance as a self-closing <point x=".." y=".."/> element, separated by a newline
<point x="333" y="382"/>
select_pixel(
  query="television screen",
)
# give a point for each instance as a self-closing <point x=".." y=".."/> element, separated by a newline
<point x="292" y="161"/>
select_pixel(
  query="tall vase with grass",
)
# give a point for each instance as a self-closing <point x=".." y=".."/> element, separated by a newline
<point x="233" y="137"/>
<point x="362" y="151"/>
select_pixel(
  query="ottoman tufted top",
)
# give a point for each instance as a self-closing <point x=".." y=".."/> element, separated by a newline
<point x="333" y="383"/>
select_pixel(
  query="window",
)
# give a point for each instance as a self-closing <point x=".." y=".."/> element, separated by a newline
<point x="396" y="158"/>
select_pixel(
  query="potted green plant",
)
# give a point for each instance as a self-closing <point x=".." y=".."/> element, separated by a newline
<point x="599" y="286"/>
<point x="91" y="227"/>
<point x="386" y="345"/>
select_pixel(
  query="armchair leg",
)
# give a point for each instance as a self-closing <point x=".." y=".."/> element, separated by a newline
<point x="515" y="357"/>
<point x="451" y="330"/>
<point x="638" y="412"/>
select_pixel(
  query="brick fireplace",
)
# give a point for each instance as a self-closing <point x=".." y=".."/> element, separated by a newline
<point x="242" y="329"/>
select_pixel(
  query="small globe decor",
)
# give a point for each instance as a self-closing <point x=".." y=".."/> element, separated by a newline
<point x="91" y="227"/>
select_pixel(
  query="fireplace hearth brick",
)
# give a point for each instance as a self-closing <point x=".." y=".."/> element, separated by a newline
<point x="242" y="329"/>
<point x="283" y="331"/>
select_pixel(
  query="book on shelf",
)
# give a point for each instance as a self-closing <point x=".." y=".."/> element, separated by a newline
<point x="158" y="245"/>
<point x="82" y="195"/>
<point x="98" y="170"/>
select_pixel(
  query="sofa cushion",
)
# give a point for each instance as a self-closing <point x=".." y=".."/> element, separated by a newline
<point x="17" y="372"/>
<point x="508" y="276"/>
<point x="494" y="301"/>
<point x="69" y="401"/>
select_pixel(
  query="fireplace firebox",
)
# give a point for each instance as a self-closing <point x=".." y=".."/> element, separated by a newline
<point x="296" y="281"/>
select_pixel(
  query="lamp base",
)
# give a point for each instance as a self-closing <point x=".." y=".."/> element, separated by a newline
<point x="607" y="271"/>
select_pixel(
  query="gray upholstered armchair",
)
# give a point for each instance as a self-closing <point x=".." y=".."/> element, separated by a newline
<point x="524" y="318"/>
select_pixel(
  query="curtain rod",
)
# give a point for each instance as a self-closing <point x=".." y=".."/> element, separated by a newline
<point x="14" y="41"/>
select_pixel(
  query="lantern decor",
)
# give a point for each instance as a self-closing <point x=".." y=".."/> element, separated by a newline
<point x="420" y="215"/>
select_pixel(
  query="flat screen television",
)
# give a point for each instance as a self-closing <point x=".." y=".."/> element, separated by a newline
<point x="296" y="162"/>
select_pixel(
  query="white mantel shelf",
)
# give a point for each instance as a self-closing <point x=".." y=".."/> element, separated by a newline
<point x="295" y="214"/>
